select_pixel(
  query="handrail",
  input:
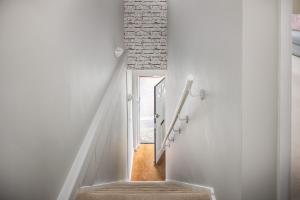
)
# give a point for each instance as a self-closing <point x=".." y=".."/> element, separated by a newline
<point x="185" y="93"/>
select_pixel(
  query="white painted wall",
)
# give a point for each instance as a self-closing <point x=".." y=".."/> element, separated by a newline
<point x="231" y="141"/>
<point x="205" y="39"/>
<point x="260" y="98"/>
<point x="108" y="158"/>
<point x="284" y="101"/>
<point x="56" y="59"/>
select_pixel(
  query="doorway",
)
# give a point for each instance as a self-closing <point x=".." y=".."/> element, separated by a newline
<point x="146" y="91"/>
<point x="144" y="167"/>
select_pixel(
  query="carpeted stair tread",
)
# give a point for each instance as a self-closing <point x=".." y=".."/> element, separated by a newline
<point x="144" y="191"/>
<point x="155" y="196"/>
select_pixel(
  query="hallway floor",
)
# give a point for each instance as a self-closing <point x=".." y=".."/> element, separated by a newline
<point x="143" y="168"/>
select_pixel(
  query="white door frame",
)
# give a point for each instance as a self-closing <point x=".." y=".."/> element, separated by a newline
<point x="284" y="101"/>
<point x="130" y="147"/>
<point x="136" y="75"/>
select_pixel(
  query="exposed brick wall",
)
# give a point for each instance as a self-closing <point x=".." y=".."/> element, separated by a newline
<point x="145" y="29"/>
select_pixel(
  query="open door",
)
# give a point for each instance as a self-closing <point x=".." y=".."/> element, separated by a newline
<point x="159" y="118"/>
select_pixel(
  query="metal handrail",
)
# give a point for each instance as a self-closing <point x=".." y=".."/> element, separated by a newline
<point x="184" y="95"/>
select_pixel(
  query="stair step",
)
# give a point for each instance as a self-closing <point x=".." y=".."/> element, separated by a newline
<point x="153" y="196"/>
<point x="144" y="191"/>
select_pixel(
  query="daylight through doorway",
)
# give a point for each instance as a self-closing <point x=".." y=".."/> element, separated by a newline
<point x="146" y="87"/>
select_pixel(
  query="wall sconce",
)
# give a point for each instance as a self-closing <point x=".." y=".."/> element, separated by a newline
<point x="119" y="51"/>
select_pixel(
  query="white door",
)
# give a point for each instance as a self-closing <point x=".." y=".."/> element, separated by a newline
<point x="159" y="117"/>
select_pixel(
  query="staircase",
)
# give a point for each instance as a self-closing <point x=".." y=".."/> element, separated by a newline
<point x="144" y="191"/>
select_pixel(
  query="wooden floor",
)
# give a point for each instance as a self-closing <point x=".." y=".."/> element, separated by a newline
<point x="143" y="168"/>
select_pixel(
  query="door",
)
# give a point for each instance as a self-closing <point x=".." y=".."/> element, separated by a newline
<point x="159" y="118"/>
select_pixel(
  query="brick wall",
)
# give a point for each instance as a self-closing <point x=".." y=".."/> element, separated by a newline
<point x="145" y="29"/>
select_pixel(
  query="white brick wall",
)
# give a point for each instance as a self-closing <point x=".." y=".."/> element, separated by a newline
<point x="145" y="29"/>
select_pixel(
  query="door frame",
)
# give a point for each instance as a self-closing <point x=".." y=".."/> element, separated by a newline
<point x="136" y="109"/>
<point x="284" y="101"/>
<point x="130" y="147"/>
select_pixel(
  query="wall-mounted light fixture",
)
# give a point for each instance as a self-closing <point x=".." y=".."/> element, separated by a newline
<point x="119" y="51"/>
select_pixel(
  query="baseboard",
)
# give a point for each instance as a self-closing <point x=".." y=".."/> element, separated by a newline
<point x="211" y="189"/>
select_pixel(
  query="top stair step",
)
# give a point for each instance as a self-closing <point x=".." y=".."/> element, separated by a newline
<point x="144" y="191"/>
